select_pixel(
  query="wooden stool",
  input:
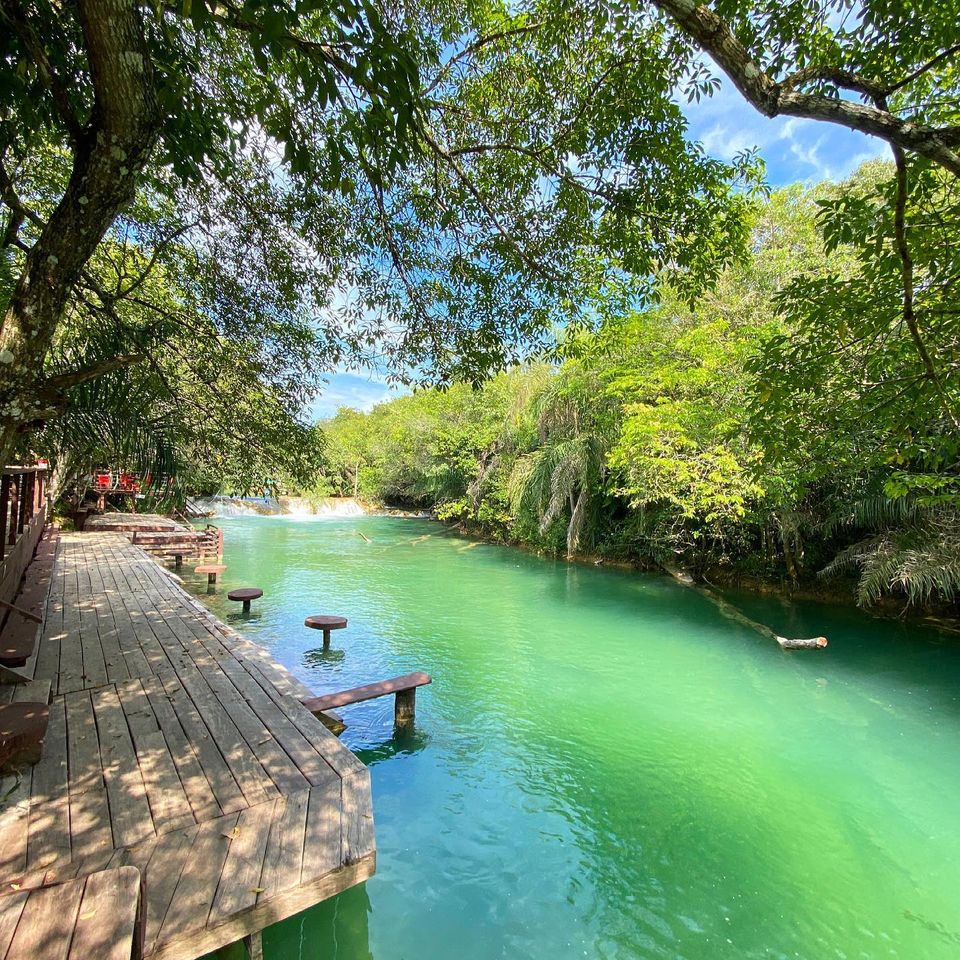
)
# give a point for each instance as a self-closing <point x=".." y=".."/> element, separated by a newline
<point x="326" y="624"/>
<point x="246" y="594"/>
<point x="211" y="570"/>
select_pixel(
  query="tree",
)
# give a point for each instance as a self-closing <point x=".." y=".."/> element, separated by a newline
<point x="456" y="186"/>
<point x="807" y="60"/>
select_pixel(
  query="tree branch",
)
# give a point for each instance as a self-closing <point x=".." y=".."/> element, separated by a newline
<point x="713" y="35"/>
<point x="476" y="46"/>
<point x="64" y="381"/>
<point x="929" y="65"/>
<point x="474" y="191"/>
<point x="13" y="13"/>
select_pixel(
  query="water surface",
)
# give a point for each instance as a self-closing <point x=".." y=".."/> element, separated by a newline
<point x="605" y="767"/>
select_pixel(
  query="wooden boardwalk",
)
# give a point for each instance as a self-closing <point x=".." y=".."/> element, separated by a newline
<point x="178" y="747"/>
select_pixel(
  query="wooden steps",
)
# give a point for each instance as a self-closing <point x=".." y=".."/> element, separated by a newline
<point x="161" y="537"/>
<point x="96" y="917"/>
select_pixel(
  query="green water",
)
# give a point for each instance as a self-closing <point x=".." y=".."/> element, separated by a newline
<point x="606" y="768"/>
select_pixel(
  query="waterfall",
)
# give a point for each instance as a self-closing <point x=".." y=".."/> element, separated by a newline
<point x="299" y="507"/>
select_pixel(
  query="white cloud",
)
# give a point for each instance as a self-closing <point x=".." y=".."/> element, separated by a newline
<point x="795" y="149"/>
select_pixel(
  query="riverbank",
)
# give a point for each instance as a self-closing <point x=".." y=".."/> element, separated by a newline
<point x="839" y="591"/>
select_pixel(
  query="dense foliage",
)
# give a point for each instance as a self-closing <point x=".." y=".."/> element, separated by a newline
<point x="731" y="435"/>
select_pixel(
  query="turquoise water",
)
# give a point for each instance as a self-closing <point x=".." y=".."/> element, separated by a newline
<point x="605" y="767"/>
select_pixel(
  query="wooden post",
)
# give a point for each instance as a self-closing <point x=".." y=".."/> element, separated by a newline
<point x="178" y="560"/>
<point x="14" y="507"/>
<point x="211" y="579"/>
<point x="24" y="501"/>
<point x="405" y="706"/>
<point x="4" y="512"/>
<point x="253" y="944"/>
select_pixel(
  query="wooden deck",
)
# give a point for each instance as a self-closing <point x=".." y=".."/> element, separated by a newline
<point x="178" y="747"/>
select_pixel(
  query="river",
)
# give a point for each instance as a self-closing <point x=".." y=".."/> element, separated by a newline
<point x="604" y="767"/>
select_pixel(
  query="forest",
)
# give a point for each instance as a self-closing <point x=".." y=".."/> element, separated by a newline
<point x="732" y="436"/>
<point x="619" y="342"/>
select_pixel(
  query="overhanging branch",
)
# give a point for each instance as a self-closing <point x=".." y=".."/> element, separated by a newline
<point x="714" y="36"/>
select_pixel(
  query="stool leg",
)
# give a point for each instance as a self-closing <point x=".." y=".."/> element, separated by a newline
<point x="326" y="639"/>
<point x="246" y="606"/>
<point x="405" y="706"/>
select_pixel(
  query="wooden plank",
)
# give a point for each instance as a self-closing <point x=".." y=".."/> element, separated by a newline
<point x="206" y="940"/>
<point x="70" y="671"/>
<point x="322" y="835"/>
<point x="11" y="907"/>
<point x="130" y="817"/>
<point x="200" y="790"/>
<point x="218" y="774"/>
<point x="94" y="668"/>
<point x="161" y="863"/>
<point x="90" y="831"/>
<point x="303" y="753"/>
<point x="255" y="784"/>
<point x="357" y="833"/>
<point x="246" y="710"/>
<point x="197" y="886"/>
<point x="14" y="819"/>
<point x="49" y="832"/>
<point x="114" y="661"/>
<point x="46" y="924"/>
<point x="368" y="691"/>
<point x="240" y="879"/>
<point x="169" y="804"/>
<point x="107" y="922"/>
<point x="83" y="747"/>
<point x="283" y="860"/>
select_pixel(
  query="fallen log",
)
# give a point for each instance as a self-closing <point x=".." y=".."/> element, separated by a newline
<point x="811" y="643"/>
<point x="738" y="616"/>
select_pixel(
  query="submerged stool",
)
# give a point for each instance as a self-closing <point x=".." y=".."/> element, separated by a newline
<point x="211" y="570"/>
<point x="326" y="624"/>
<point x="246" y="594"/>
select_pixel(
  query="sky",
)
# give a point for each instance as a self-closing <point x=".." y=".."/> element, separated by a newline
<point x="794" y="150"/>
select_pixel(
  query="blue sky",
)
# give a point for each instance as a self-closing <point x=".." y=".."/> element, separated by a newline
<point x="794" y="150"/>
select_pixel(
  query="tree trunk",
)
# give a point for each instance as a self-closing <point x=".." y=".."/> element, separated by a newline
<point x="109" y="156"/>
<point x="737" y="616"/>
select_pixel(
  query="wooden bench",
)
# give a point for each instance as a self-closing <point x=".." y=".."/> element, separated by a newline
<point x="96" y="917"/>
<point x="405" y="688"/>
<point x="23" y="726"/>
<point x="20" y="622"/>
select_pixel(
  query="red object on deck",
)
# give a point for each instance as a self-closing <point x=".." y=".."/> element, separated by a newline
<point x="102" y="481"/>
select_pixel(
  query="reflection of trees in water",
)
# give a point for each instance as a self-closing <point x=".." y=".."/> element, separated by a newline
<point x="404" y="742"/>
<point x="318" y="656"/>
<point x="337" y="929"/>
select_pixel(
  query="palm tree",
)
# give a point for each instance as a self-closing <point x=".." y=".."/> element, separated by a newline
<point x="562" y="476"/>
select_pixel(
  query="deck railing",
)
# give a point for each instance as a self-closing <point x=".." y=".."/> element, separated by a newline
<point x="23" y="512"/>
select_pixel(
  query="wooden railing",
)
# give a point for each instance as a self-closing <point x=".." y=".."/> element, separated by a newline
<point x="23" y="512"/>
